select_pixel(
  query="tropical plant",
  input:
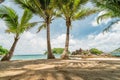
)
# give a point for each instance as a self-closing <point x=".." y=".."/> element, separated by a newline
<point x="56" y="51"/>
<point x="95" y="51"/>
<point x="111" y="9"/>
<point x="14" y="26"/>
<point x="3" y="51"/>
<point x="46" y="10"/>
<point x="72" y="10"/>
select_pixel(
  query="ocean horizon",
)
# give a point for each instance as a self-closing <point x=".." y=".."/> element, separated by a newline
<point x="31" y="57"/>
<point x="38" y="56"/>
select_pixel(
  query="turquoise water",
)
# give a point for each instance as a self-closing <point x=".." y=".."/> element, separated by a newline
<point x="40" y="56"/>
<point x="31" y="57"/>
<point x="116" y="54"/>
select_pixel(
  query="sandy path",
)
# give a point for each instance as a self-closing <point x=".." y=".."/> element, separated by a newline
<point x="88" y="69"/>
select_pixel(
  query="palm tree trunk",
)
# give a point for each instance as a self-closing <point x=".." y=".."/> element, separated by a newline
<point x="50" y="55"/>
<point x="8" y="56"/>
<point x="65" y="52"/>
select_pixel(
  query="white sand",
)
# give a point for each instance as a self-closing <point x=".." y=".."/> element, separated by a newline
<point x="83" y="69"/>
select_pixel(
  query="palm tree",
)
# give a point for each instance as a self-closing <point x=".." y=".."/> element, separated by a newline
<point x="14" y="27"/>
<point x="46" y="10"/>
<point x="72" y="10"/>
<point x="111" y="8"/>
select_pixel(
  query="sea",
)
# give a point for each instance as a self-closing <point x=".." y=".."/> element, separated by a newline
<point x="31" y="57"/>
<point x="40" y="56"/>
<point x="116" y="54"/>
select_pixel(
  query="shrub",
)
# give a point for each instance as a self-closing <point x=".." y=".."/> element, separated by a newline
<point x="95" y="51"/>
<point x="57" y="51"/>
<point x="3" y="51"/>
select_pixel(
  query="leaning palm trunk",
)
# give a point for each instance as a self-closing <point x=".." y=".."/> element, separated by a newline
<point x="65" y="52"/>
<point x="50" y="55"/>
<point x="8" y="56"/>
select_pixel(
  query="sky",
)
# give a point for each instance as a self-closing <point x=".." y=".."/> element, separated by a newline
<point x="85" y="34"/>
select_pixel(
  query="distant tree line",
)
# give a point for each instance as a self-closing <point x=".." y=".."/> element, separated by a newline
<point x="85" y="52"/>
<point x="56" y="51"/>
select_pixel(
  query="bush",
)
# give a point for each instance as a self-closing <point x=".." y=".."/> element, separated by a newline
<point x="95" y="51"/>
<point x="57" y="51"/>
<point x="3" y="51"/>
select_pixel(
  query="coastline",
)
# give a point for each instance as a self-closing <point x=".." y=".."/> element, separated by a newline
<point x="82" y="69"/>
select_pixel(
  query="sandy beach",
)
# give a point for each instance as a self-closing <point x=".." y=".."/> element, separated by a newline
<point x="81" y="69"/>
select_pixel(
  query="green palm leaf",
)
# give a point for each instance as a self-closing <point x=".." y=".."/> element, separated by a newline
<point x="83" y="13"/>
<point x="9" y="16"/>
<point x="26" y="17"/>
<point x="112" y="8"/>
<point x="11" y="19"/>
<point x="43" y="26"/>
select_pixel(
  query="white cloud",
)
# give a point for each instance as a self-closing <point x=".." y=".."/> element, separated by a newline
<point x="106" y="42"/>
<point x="31" y="43"/>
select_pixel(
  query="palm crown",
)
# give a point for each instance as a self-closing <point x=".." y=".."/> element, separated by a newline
<point x="75" y="9"/>
<point x="12" y="22"/>
<point x="46" y="10"/>
<point x="72" y="10"/>
<point x="15" y="26"/>
<point x="43" y="8"/>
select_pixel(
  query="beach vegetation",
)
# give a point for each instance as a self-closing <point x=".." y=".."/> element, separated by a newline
<point x="72" y="10"/>
<point x="56" y="51"/>
<point x="95" y="51"/>
<point x="15" y="26"/>
<point x="46" y="9"/>
<point x="3" y="51"/>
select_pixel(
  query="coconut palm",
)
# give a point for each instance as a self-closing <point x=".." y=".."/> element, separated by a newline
<point x="14" y="26"/>
<point x="111" y="9"/>
<point x="46" y="10"/>
<point x="72" y="10"/>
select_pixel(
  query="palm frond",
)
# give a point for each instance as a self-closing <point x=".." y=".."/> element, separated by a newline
<point x="26" y="4"/>
<point x="9" y="16"/>
<point x="104" y="16"/>
<point x="109" y="5"/>
<point x="30" y="25"/>
<point x="110" y="25"/>
<point x="26" y="17"/>
<point x="84" y="13"/>
<point x="41" y="27"/>
<point x="36" y="6"/>
<point x="10" y="31"/>
<point x="11" y="19"/>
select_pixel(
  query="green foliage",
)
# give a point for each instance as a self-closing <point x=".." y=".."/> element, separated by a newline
<point x="85" y="52"/>
<point x="95" y="51"/>
<point x="46" y="9"/>
<point x="74" y="9"/>
<point x="3" y="51"/>
<point x="12" y="21"/>
<point x="57" y="51"/>
<point x="111" y="9"/>
<point x="116" y="51"/>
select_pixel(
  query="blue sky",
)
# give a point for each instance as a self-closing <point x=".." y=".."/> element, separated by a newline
<point x="85" y="34"/>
